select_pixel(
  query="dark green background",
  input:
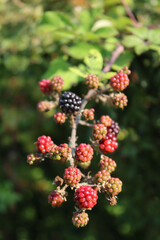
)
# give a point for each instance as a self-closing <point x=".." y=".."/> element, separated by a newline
<point x="24" y="211"/>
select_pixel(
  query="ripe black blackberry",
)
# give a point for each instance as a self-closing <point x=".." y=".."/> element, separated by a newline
<point x="70" y="103"/>
<point x="114" y="128"/>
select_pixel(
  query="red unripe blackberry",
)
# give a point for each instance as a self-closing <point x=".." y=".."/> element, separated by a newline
<point x="57" y="83"/>
<point x="86" y="197"/>
<point x="80" y="219"/>
<point x="120" y="81"/>
<point x="120" y="100"/>
<point x="92" y="81"/>
<point x="88" y="114"/>
<point x="99" y="131"/>
<point x="62" y="152"/>
<point x="60" y="117"/>
<point x="33" y="158"/>
<point x="70" y="103"/>
<point x="55" y="199"/>
<point x="106" y="120"/>
<point x="45" y="86"/>
<point x="114" y="128"/>
<point x="44" y="144"/>
<point x="107" y="163"/>
<point x="109" y="143"/>
<point x="72" y="176"/>
<point x="84" y="152"/>
<point x="114" y="186"/>
<point x="44" y="106"/>
<point x="102" y="176"/>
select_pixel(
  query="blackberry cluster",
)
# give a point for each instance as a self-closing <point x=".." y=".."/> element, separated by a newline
<point x="72" y="176"/>
<point x="45" y="86"/>
<point x="44" y="106"/>
<point x="109" y="143"/>
<point x="107" y="163"/>
<point x="44" y="144"/>
<point x="114" y="185"/>
<point x="55" y="199"/>
<point x="60" y="117"/>
<point x="70" y="103"/>
<point x="99" y="131"/>
<point x="120" y="81"/>
<point x="102" y="176"/>
<point x="80" y="219"/>
<point x="120" y="100"/>
<point x="86" y="197"/>
<point x="113" y="128"/>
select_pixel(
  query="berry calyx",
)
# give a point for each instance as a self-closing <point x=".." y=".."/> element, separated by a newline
<point x="80" y="219"/>
<point x="44" y="144"/>
<point x="72" y="176"/>
<point x="107" y="163"/>
<point x="109" y="143"/>
<point x="55" y="199"/>
<point x="57" y="83"/>
<point x="120" y="100"/>
<point x="113" y="128"/>
<point x="60" y="117"/>
<point x="92" y="81"/>
<point x="88" y="114"/>
<point x="106" y="120"/>
<point x="102" y="176"/>
<point x="86" y="197"/>
<point x="99" y="131"/>
<point x="84" y="152"/>
<point x="70" y="103"/>
<point x="120" y="81"/>
<point x="45" y="86"/>
<point x="114" y="186"/>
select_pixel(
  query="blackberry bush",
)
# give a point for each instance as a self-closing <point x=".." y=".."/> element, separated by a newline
<point x="78" y="155"/>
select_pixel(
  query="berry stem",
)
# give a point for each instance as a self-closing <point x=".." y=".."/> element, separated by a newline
<point x="85" y="123"/>
<point x="115" y="55"/>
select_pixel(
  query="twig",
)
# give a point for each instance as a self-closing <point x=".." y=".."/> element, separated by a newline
<point x="130" y="14"/>
<point x="85" y="123"/>
<point x="115" y="55"/>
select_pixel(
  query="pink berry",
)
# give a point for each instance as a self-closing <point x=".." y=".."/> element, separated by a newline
<point x="55" y="199"/>
<point x="45" y="86"/>
<point x="72" y="176"/>
<point x="44" y="144"/>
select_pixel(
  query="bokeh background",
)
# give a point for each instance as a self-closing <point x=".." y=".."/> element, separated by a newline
<point x="27" y="47"/>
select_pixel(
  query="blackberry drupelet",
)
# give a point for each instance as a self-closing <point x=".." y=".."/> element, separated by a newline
<point x="70" y="103"/>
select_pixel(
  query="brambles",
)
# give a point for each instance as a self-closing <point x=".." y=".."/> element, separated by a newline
<point x="120" y="100"/>
<point x="57" y="83"/>
<point x="107" y="163"/>
<point x="80" y="219"/>
<point x="45" y="86"/>
<point x="72" y="176"/>
<point x="120" y="81"/>
<point x="92" y="81"/>
<point x="60" y="117"/>
<point x="88" y="114"/>
<point x="99" y="131"/>
<point x="44" y="144"/>
<point x="55" y="199"/>
<point x="109" y="143"/>
<point x="104" y="134"/>
<point x="86" y="197"/>
<point x="70" y="103"/>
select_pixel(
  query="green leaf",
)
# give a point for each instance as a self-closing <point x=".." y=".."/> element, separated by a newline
<point x="56" y="20"/>
<point x="142" y="33"/>
<point x="139" y="49"/>
<point x="106" y="32"/>
<point x="80" y="50"/>
<point x="60" y="67"/>
<point x="123" y="60"/>
<point x="131" y="41"/>
<point x="154" y="36"/>
<point x="86" y="20"/>
<point x="94" y="60"/>
<point x="108" y="75"/>
<point x="154" y="47"/>
<point x="78" y="71"/>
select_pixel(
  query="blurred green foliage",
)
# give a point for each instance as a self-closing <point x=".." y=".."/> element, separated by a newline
<point x="45" y="38"/>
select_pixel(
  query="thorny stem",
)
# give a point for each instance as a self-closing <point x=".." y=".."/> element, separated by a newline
<point x="115" y="55"/>
<point x="91" y="93"/>
<point x="130" y="14"/>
